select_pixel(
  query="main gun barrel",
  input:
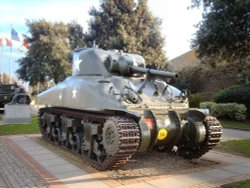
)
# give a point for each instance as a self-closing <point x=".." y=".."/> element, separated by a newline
<point x="153" y="72"/>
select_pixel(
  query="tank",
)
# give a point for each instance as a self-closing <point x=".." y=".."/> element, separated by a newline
<point x="12" y="94"/>
<point x="113" y="107"/>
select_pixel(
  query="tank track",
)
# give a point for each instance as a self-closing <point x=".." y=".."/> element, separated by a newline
<point x="213" y="137"/>
<point x="128" y="135"/>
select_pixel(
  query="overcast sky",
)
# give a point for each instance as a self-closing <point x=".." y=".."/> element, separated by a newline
<point x="177" y="20"/>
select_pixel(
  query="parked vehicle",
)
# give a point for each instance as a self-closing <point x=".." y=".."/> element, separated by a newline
<point x="11" y="93"/>
<point x="112" y="107"/>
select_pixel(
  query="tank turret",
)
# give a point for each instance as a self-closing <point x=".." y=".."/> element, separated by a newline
<point x="130" y="64"/>
<point x="112" y="107"/>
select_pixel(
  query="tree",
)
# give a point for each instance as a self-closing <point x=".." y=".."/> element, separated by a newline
<point x="130" y="27"/>
<point x="48" y="55"/>
<point x="204" y="78"/>
<point x="224" y="33"/>
<point x="76" y="37"/>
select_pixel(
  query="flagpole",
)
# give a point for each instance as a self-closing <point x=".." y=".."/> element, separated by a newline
<point x="10" y="60"/>
<point x="1" y="63"/>
<point x="10" y="65"/>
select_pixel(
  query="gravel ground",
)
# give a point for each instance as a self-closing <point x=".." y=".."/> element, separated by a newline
<point x="151" y="165"/>
<point x="16" y="172"/>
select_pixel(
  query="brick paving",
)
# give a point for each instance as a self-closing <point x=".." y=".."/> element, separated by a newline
<point x="16" y="171"/>
<point x="57" y="172"/>
<point x="26" y="163"/>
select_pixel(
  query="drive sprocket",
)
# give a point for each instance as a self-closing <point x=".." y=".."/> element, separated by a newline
<point x="213" y="137"/>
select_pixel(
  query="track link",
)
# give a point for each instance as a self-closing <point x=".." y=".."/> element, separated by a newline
<point x="128" y="139"/>
<point x="128" y="134"/>
<point x="213" y="137"/>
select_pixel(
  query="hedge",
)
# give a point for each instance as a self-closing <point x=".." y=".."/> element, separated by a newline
<point x="233" y="111"/>
<point x="237" y="94"/>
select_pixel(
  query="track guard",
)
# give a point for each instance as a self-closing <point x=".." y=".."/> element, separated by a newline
<point x="195" y="115"/>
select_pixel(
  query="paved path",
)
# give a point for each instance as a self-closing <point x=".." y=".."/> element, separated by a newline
<point x="57" y="172"/>
<point x="234" y="134"/>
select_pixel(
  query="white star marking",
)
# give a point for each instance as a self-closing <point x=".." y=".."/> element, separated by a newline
<point x="74" y="91"/>
<point x="77" y="63"/>
<point x="60" y="96"/>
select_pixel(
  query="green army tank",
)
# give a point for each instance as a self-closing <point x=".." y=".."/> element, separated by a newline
<point x="113" y="107"/>
<point x="14" y="94"/>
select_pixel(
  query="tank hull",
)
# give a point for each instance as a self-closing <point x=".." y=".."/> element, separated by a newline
<point x="81" y="92"/>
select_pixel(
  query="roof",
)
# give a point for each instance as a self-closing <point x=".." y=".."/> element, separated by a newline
<point x="188" y="59"/>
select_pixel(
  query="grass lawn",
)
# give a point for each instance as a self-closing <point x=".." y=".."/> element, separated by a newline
<point x="238" y="147"/>
<point x="11" y="129"/>
<point x="235" y="124"/>
<point x="240" y="184"/>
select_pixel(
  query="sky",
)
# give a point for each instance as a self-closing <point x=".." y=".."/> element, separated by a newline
<point x="178" y="22"/>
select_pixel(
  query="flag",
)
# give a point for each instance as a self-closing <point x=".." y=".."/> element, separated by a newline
<point x="1" y="42"/>
<point x="8" y="42"/>
<point x="19" y="49"/>
<point x="14" y="35"/>
<point x="25" y="43"/>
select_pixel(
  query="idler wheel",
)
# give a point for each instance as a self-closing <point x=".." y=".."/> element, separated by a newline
<point x="110" y="137"/>
<point x="45" y="129"/>
<point x="43" y="126"/>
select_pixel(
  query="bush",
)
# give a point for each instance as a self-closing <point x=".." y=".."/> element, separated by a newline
<point x="227" y="110"/>
<point x="237" y="94"/>
<point x="230" y="110"/>
<point x="208" y="105"/>
<point x="194" y="100"/>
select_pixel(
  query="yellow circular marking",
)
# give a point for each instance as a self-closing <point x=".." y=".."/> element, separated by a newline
<point x="162" y="134"/>
<point x="183" y="121"/>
